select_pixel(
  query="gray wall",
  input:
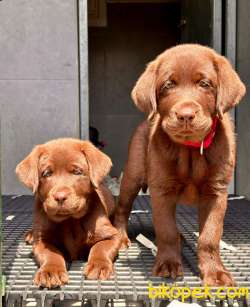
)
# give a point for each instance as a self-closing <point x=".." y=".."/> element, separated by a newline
<point x="243" y="110"/>
<point x="118" y="54"/>
<point x="38" y="78"/>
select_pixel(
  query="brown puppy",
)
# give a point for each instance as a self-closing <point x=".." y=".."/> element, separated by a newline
<point x="185" y="153"/>
<point x="71" y="209"/>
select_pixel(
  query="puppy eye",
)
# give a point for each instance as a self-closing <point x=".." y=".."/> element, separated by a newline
<point x="204" y="83"/>
<point x="168" y="84"/>
<point x="77" y="171"/>
<point x="47" y="173"/>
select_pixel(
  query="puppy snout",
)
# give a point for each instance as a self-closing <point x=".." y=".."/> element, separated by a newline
<point x="185" y="115"/>
<point x="186" y="112"/>
<point x="61" y="196"/>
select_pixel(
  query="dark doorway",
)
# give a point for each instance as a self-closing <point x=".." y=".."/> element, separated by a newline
<point x="135" y="34"/>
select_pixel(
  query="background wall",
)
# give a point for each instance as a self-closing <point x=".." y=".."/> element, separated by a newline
<point x="243" y="110"/>
<point x="38" y="78"/>
<point x="118" y="54"/>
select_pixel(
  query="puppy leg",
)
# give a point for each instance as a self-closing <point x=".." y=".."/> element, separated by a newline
<point x="101" y="257"/>
<point x="130" y="187"/>
<point x="52" y="272"/>
<point x="211" y="217"/>
<point x="168" y="259"/>
<point x="133" y="179"/>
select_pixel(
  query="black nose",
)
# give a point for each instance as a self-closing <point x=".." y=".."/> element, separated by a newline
<point x="185" y="115"/>
<point x="60" y="196"/>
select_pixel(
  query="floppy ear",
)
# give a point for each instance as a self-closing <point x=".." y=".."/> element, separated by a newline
<point x="99" y="163"/>
<point x="230" y="87"/>
<point x="144" y="91"/>
<point x="27" y="170"/>
<point x="106" y="198"/>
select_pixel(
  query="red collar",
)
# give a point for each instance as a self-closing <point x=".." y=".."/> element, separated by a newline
<point x="208" y="139"/>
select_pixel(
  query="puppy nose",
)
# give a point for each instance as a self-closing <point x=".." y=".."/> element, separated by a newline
<point x="60" y="196"/>
<point x="185" y="115"/>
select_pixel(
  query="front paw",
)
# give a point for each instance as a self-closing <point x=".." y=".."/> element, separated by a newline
<point x="99" y="269"/>
<point x="125" y="242"/>
<point x="166" y="266"/>
<point x="51" y="276"/>
<point x="215" y="276"/>
<point x="123" y="235"/>
<point x="28" y="238"/>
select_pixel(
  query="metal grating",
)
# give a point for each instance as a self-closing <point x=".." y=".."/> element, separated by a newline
<point x="133" y="266"/>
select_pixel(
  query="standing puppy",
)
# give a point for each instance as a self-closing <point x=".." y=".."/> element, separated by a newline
<point x="184" y="152"/>
<point x="72" y="209"/>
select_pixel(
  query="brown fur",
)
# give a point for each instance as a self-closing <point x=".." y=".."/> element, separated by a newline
<point x="182" y="91"/>
<point x="72" y="209"/>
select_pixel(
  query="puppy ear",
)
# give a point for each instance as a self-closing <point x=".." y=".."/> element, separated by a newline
<point x="144" y="91"/>
<point x="27" y="170"/>
<point x="230" y="87"/>
<point x="106" y="199"/>
<point x="98" y="162"/>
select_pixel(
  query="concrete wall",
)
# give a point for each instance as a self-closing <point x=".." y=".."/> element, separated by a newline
<point x="243" y="110"/>
<point x="38" y="78"/>
<point x="118" y="54"/>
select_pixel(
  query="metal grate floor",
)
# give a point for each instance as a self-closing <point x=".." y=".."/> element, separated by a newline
<point x="133" y="266"/>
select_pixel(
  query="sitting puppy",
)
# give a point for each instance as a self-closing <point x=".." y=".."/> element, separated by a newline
<point x="184" y="152"/>
<point x="72" y="209"/>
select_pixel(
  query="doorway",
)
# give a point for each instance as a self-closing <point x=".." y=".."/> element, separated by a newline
<point x="118" y="53"/>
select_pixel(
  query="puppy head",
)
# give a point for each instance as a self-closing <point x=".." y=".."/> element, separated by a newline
<point x="63" y="173"/>
<point x="188" y="85"/>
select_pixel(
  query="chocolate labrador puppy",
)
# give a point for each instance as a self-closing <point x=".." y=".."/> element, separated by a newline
<point x="184" y="152"/>
<point x="72" y="209"/>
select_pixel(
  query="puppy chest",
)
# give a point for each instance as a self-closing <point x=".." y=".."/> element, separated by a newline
<point x="191" y="167"/>
<point x="74" y="238"/>
<point x="78" y="238"/>
<point x="192" y="171"/>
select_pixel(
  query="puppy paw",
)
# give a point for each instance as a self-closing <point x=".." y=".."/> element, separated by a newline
<point x="123" y="235"/>
<point x="168" y="267"/>
<point x="28" y="238"/>
<point x="125" y="242"/>
<point x="51" y="276"/>
<point x="99" y="269"/>
<point x="219" y="277"/>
